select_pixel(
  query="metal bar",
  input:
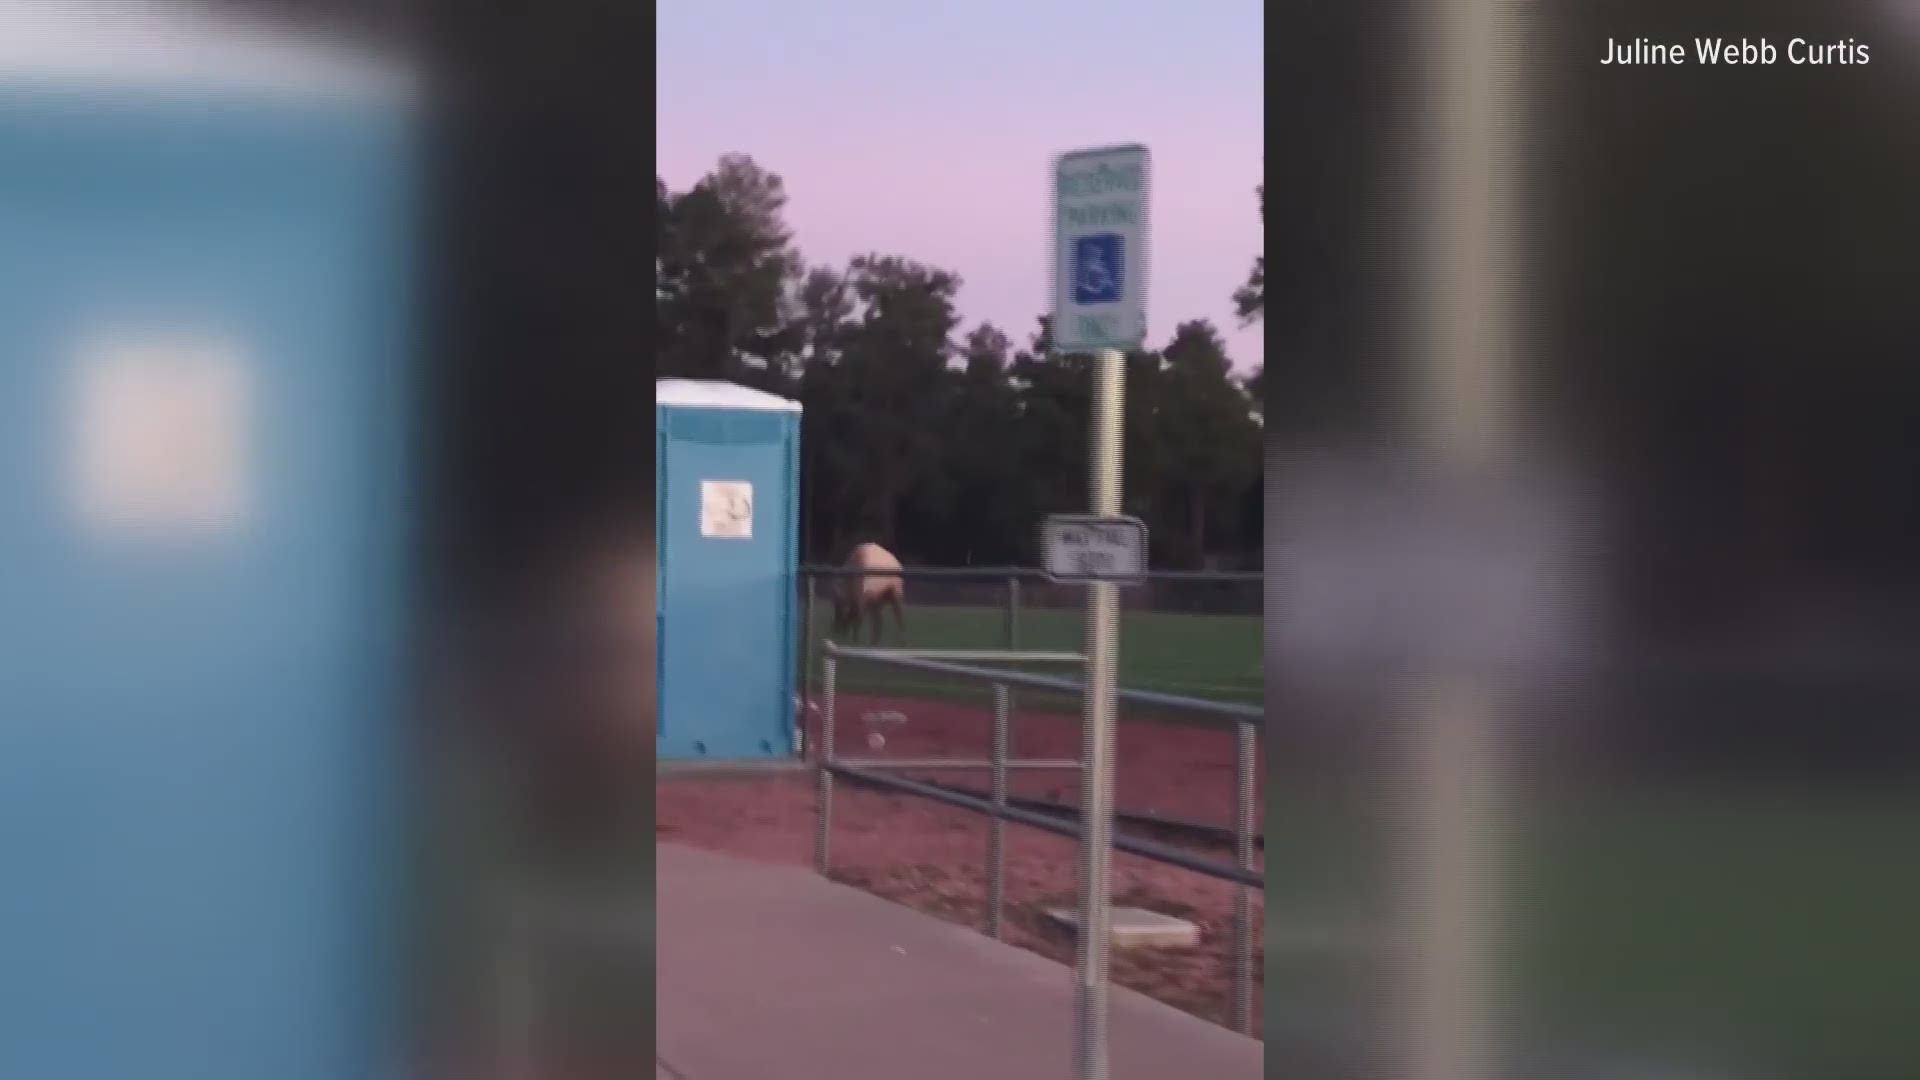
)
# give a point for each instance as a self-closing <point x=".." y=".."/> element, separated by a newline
<point x="809" y="652"/>
<point x="1028" y="573"/>
<point x="1253" y="714"/>
<point x="1218" y="834"/>
<point x="1469" y="392"/>
<point x="1243" y="829"/>
<point x="959" y="763"/>
<point x="1013" y="613"/>
<point x="823" y="826"/>
<point x="981" y="573"/>
<point x="1452" y="874"/>
<point x="1059" y="826"/>
<point x="1005" y="655"/>
<point x="1013" y="645"/>
<point x="1095" y="943"/>
<point x="997" y="828"/>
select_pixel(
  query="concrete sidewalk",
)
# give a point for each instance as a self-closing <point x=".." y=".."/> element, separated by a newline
<point x="771" y="971"/>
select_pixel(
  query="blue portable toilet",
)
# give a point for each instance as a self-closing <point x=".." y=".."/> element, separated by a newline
<point x="728" y="546"/>
<point x="203" y="362"/>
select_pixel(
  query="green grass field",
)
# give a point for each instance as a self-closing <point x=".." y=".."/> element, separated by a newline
<point x="1216" y="657"/>
<point x="1760" y="921"/>
<point x="1765" y="931"/>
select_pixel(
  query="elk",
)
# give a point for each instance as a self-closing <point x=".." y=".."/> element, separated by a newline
<point x="866" y="595"/>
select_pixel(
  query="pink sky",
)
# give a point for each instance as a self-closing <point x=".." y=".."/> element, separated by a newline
<point x="928" y="131"/>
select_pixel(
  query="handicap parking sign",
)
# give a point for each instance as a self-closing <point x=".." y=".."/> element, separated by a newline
<point x="1099" y="265"/>
<point x="1098" y="268"/>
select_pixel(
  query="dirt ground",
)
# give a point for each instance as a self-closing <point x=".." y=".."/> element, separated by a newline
<point x="933" y="858"/>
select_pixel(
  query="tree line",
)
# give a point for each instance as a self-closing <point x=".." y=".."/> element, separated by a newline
<point x="944" y="442"/>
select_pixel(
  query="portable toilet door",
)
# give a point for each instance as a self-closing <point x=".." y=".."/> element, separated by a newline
<point x="204" y="260"/>
<point x="728" y="550"/>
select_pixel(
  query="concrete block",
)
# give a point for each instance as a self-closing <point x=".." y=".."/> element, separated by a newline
<point x="1137" y="928"/>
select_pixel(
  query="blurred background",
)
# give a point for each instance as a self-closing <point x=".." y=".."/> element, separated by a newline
<point x="1711" y="803"/>
<point x="534" y="562"/>
<point x="1708" y="832"/>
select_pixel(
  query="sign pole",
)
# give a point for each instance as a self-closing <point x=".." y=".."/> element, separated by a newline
<point x="1455" y="869"/>
<point x="1099" y="308"/>
<point x="1096" y="800"/>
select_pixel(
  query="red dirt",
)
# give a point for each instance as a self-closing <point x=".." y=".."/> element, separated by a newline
<point x="933" y="858"/>
<point x="1172" y="770"/>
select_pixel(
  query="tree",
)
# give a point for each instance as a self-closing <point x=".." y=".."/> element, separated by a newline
<point x="1209" y="437"/>
<point x="882" y="393"/>
<point x="665" y="288"/>
<point x="947" y="451"/>
<point x="823" y="311"/>
<point x="1250" y="302"/>
<point x="727" y="270"/>
<point x="986" y="518"/>
<point x="1054" y="395"/>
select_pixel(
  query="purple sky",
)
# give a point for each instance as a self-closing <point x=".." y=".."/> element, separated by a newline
<point x="927" y="130"/>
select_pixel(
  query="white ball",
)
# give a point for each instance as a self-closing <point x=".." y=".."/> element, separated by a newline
<point x="876" y="740"/>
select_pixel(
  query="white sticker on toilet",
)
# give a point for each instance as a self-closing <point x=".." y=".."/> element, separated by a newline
<point x="160" y="439"/>
<point x="726" y="509"/>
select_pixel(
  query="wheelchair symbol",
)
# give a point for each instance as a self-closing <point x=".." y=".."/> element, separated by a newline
<point x="1098" y="269"/>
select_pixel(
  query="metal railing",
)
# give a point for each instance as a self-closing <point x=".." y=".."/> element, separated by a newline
<point x="875" y="773"/>
<point x="1022" y="573"/>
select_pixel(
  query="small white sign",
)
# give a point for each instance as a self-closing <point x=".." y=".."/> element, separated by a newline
<point x="1100" y="249"/>
<point x="159" y="430"/>
<point x="726" y="509"/>
<point x="1081" y="547"/>
<point x="1384" y="563"/>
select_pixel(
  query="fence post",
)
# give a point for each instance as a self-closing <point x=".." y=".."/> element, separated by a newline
<point x="1013" y="612"/>
<point x="824" y="757"/>
<point x="1013" y="636"/>
<point x="807" y="634"/>
<point x="997" y="828"/>
<point x="1243" y="830"/>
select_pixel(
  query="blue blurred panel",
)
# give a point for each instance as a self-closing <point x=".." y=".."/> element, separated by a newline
<point x="198" y="710"/>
